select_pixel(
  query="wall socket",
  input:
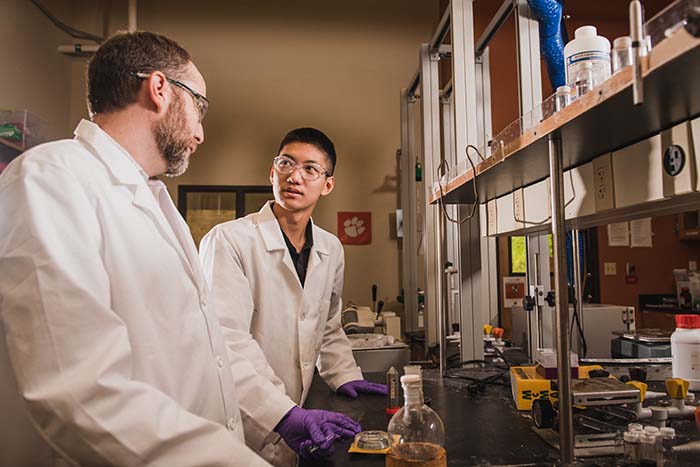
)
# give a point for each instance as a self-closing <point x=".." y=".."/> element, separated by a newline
<point x="603" y="182"/>
<point x="519" y="205"/>
<point x="610" y="269"/>
<point x="492" y="216"/>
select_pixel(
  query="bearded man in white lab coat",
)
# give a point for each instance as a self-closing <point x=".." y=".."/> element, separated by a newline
<point x="115" y="353"/>
<point x="277" y="278"/>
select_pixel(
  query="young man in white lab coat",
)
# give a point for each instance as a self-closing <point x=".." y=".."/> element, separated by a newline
<point x="277" y="278"/>
<point x="115" y="353"/>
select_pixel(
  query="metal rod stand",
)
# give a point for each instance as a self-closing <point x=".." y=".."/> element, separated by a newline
<point x="566" y="425"/>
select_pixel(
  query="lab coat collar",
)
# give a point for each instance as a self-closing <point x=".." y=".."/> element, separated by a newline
<point x="126" y="171"/>
<point x="272" y="233"/>
<point x="118" y="161"/>
<point x="274" y="241"/>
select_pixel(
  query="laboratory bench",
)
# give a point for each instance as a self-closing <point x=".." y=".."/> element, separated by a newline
<point x="483" y="429"/>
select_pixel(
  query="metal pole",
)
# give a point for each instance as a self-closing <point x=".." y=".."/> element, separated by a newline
<point x="494" y="25"/>
<point x="443" y="313"/>
<point x="566" y="425"/>
<point x="409" y="255"/>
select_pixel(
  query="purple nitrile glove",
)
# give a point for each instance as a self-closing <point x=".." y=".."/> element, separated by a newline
<point x="352" y="388"/>
<point x="311" y="433"/>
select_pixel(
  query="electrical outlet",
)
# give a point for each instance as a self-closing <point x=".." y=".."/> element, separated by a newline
<point x="692" y="265"/>
<point x="610" y="269"/>
<point x="492" y="217"/>
<point x="603" y="182"/>
<point x="674" y="160"/>
<point x="518" y="204"/>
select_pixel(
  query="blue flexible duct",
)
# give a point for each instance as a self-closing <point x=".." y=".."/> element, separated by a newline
<point x="553" y="37"/>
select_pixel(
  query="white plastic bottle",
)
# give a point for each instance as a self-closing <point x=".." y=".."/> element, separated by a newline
<point x="685" y="350"/>
<point x="587" y="46"/>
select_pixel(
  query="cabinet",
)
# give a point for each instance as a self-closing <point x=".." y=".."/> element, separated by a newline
<point x="689" y="225"/>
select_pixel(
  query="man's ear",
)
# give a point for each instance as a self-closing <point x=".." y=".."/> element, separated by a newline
<point x="328" y="186"/>
<point x="272" y="175"/>
<point x="157" y="92"/>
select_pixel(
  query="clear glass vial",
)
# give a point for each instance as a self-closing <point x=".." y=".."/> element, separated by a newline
<point x="621" y="55"/>
<point x="631" y="447"/>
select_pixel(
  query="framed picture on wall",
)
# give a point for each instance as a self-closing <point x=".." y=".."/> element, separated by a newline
<point x="204" y="206"/>
<point x="355" y="228"/>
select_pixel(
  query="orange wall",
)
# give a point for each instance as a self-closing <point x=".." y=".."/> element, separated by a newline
<point x="654" y="266"/>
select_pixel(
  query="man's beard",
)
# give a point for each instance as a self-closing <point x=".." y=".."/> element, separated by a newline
<point x="173" y="140"/>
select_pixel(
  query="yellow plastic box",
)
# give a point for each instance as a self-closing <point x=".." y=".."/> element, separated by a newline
<point x="528" y="385"/>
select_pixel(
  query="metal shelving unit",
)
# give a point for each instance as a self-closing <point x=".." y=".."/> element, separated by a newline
<point x="541" y="144"/>
<point x="671" y="96"/>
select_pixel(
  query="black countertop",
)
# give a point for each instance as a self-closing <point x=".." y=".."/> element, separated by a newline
<point x="482" y="429"/>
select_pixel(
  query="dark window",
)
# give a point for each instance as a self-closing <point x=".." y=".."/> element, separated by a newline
<point x="204" y="206"/>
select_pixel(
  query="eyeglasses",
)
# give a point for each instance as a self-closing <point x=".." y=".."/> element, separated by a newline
<point x="200" y="102"/>
<point x="310" y="171"/>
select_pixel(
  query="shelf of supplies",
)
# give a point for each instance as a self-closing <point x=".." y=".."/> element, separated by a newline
<point x="602" y="121"/>
<point x="19" y="130"/>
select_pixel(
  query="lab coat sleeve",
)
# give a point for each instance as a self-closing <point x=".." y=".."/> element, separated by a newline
<point x="261" y="394"/>
<point x="70" y="352"/>
<point x="336" y="364"/>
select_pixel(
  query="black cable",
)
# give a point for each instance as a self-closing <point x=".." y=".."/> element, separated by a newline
<point x="76" y="33"/>
<point x="577" y="320"/>
<point x="445" y="168"/>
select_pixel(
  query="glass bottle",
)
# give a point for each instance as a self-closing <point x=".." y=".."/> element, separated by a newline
<point x="416" y="431"/>
<point x="563" y="97"/>
<point x="421" y="308"/>
<point x="647" y="450"/>
<point x="621" y="55"/>
<point x="584" y="79"/>
<point x="631" y="447"/>
<point x="392" y="397"/>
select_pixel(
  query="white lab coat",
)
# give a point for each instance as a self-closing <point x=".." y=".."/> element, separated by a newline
<point x="115" y="348"/>
<point x="267" y="315"/>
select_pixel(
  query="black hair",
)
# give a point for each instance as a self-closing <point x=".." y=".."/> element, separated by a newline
<point x="111" y="84"/>
<point x="314" y="137"/>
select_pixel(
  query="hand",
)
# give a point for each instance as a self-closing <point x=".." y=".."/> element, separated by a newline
<point x="351" y="388"/>
<point x="311" y="433"/>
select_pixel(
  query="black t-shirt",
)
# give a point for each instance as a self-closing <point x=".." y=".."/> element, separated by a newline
<point x="301" y="259"/>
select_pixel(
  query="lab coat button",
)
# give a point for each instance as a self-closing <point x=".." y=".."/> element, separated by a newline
<point x="306" y="365"/>
<point x="203" y="302"/>
<point x="219" y="361"/>
<point x="231" y="424"/>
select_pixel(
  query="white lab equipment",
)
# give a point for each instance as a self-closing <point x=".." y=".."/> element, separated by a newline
<point x="587" y="47"/>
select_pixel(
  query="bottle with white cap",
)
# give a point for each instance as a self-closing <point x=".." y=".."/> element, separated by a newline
<point x="587" y="47"/>
<point x="685" y="350"/>
<point x="668" y="440"/>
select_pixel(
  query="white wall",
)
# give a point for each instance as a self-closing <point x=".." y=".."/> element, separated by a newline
<point x="33" y="75"/>
<point x="272" y="66"/>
